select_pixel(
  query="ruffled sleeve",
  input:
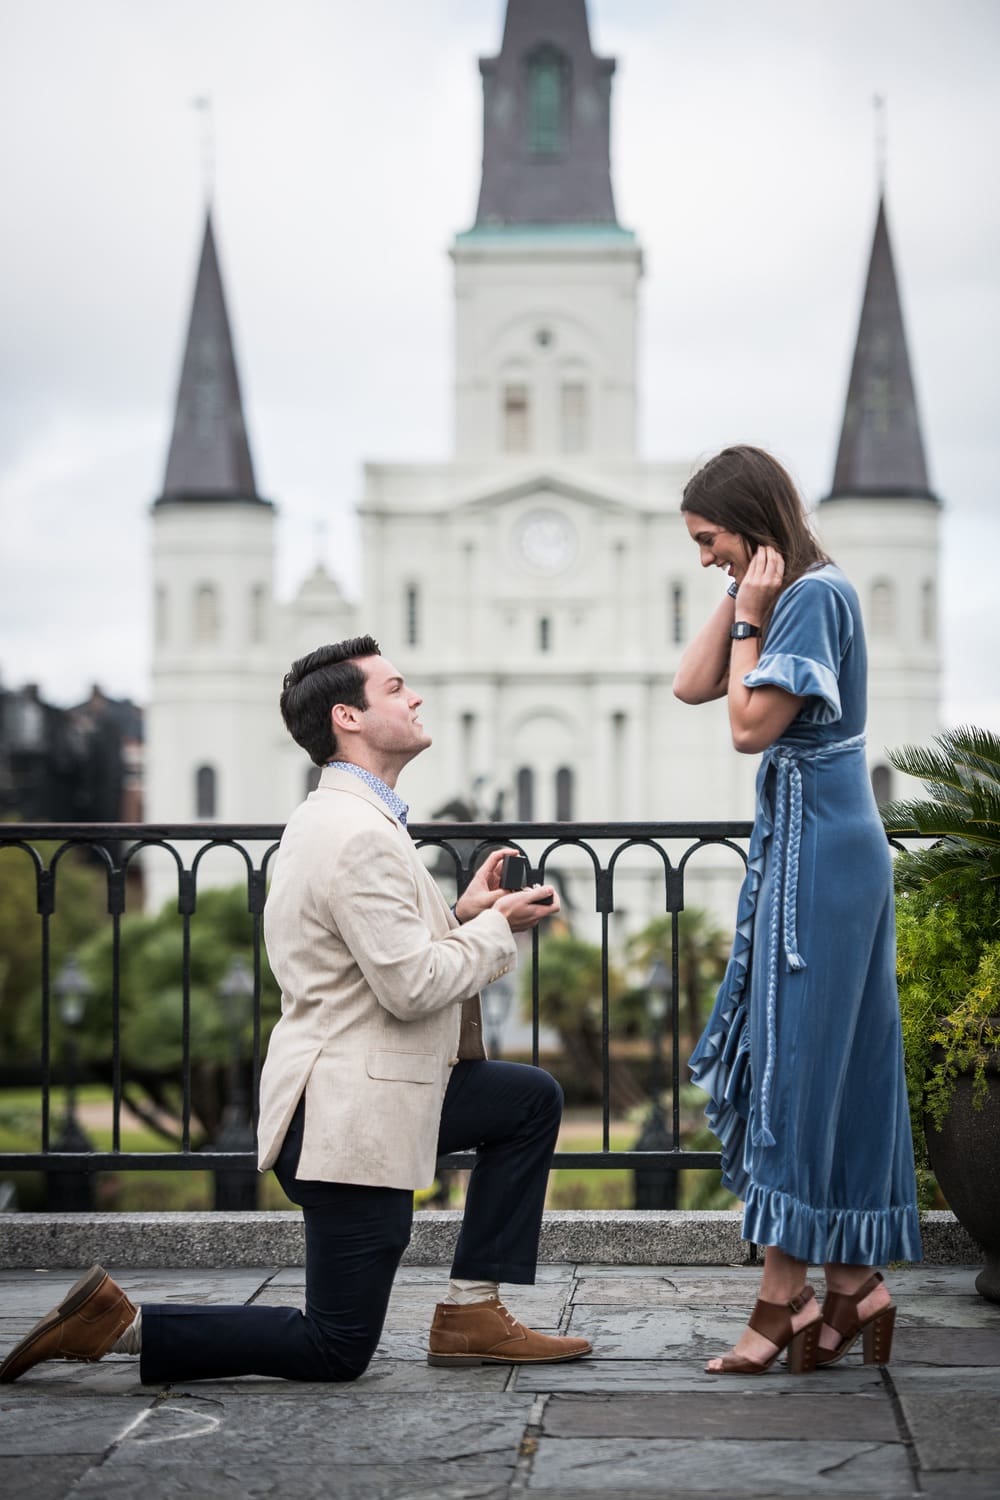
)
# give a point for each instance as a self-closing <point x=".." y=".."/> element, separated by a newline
<point x="810" y="630"/>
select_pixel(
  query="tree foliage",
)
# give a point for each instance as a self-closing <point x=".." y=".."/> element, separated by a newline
<point x="151" y="1007"/>
<point x="80" y="908"/>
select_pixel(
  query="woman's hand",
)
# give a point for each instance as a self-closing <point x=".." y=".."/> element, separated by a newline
<point x="760" y="585"/>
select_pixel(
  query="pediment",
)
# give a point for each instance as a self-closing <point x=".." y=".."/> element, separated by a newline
<point x="548" y="483"/>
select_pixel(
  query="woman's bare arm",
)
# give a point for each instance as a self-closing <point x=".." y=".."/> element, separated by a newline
<point x="757" y="716"/>
<point x="703" y="674"/>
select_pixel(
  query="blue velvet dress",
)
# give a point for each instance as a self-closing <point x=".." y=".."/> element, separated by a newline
<point x="802" y="1056"/>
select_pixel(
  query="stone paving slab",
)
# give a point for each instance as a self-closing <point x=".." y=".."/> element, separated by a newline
<point x="946" y="1346"/>
<point x="659" y="1332"/>
<point x="979" y="1485"/>
<point x="51" y="1478"/>
<point x="980" y="1379"/>
<point x="969" y="1311"/>
<point x="32" y="1423"/>
<point x="382" y="1376"/>
<point x="703" y="1415"/>
<point x="280" y="1478"/>
<point x="597" y="1374"/>
<point x="335" y="1425"/>
<point x="954" y="1429"/>
<point x="773" y="1467"/>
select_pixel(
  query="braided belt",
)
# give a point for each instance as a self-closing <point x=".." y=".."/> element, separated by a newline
<point x="783" y="914"/>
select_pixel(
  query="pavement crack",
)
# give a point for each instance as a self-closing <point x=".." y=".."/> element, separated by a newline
<point x="850" y="1459"/>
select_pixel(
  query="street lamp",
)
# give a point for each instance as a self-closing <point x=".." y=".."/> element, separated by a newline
<point x="656" y="1187"/>
<point x="497" y="999"/>
<point x="71" y="1191"/>
<point x="236" y="1187"/>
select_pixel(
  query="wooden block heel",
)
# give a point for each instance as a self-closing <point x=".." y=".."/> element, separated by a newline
<point x="803" y="1349"/>
<point x="877" y="1337"/>
<point x="840" y="1312"/>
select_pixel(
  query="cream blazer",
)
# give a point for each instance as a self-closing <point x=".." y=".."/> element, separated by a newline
<point x="379" y="992"/>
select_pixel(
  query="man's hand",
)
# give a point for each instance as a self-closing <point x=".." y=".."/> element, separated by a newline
<point x="525" y="909"/>
<point x="521" y="908"/>
<point x="483" y="890"/>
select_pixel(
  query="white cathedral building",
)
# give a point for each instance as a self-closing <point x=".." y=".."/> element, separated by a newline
<point x="539" y="586"/>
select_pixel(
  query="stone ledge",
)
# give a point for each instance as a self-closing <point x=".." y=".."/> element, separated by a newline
<point x="220" y="1240"/>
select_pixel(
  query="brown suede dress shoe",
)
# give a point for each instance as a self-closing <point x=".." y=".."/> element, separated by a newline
<point x="90" y="1318"/>
<point x="486" y="1333"/>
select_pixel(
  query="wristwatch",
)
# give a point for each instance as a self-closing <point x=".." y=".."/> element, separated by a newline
<point x="742" y="630"/>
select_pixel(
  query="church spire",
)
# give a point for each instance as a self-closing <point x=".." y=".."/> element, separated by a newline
<point x="881" y="451"/>
<point x="209" y="457"/>
<point x="546" y="121"/>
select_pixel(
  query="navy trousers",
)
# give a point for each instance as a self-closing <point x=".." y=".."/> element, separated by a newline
<point x="355" y="1238"/>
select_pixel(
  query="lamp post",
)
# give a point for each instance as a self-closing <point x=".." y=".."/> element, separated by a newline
<point x="497" y="1000"/>
<point x="71" y="1191"/>
<point x="656" y="1187"/>
<point x="236" y="1187"/>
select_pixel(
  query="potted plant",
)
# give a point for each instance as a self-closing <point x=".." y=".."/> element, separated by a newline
<point x="948" y="936"/>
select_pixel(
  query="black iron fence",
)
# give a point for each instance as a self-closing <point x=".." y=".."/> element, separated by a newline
<point x="593" y="862"/>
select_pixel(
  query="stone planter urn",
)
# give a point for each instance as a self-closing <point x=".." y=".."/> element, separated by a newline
<point x="965" y="1159"/>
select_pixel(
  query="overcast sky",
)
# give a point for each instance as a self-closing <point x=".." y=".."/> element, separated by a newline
<point x="348" y="135"/>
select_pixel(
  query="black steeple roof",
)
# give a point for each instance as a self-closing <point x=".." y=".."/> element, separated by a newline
<point x="546" y="121"/>
<point x="209" y="457"/>
<point x="881" y="450"/>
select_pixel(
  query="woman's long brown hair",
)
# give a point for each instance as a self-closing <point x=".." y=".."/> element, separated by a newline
<point x="746" y="491"/>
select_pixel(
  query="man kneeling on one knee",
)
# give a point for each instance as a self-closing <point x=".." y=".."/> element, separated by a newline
<point x="375" y="1067"/>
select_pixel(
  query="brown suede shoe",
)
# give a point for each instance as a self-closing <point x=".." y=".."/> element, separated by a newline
<point x="486" y="1333"/>
<point x="89" y="1319"/>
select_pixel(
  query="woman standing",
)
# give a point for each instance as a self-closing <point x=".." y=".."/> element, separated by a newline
<point x="802" y="1056"/>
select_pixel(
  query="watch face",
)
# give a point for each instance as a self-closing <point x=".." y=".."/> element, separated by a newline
<point x="545" y="540"/>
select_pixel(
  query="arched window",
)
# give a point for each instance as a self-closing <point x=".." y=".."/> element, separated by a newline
<point x="573" y="414"/>
<point x="678" y="614"/>
<point x="313" y="773"/>
<point x="205" y="792"/>
<point x="882" y="784"/>
<point x="544" y="633"/>
<point x="928" y="610"/>
<point x="258" y="613"/>
<point x="206" y="614"/>
<point x="161" y="621"/>
<point x="412" y="609"/>
<point x="548" y="97"/>
<point x="564" y="795"/>
<point x="516" y="419"/>
<point x="525" y="789"/>
<point x="883" y="618"/>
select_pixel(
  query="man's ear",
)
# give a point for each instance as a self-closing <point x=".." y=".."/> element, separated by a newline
<point x="345" y="719"/>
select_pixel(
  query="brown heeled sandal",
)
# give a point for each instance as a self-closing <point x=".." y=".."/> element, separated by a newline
<point x="840" y="1311"/>
<point x="773" y="1320"/>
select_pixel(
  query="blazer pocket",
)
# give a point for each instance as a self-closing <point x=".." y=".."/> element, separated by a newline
<point x="403" y="1067"/>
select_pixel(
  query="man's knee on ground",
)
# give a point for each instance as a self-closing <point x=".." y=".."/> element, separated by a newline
<point x="347" y="1355"/>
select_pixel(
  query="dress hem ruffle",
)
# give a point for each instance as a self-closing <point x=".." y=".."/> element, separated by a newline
<point x="847" y="1236"/>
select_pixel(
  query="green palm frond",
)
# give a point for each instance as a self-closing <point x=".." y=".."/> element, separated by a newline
<point x="943" y="862"/>
<point x="961" y="776"/>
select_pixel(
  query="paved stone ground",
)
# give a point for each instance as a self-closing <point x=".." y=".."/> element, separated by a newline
<point x="640" y="1418"/>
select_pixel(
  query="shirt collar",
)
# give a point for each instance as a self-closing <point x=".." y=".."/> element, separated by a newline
<point x="385" y="793"/>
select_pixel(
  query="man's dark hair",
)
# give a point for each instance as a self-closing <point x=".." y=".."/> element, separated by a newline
<point x="328" y="675"/>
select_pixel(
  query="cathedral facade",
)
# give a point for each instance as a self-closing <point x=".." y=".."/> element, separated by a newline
<point x="539" y="587"/>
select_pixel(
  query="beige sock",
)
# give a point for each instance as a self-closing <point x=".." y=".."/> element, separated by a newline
<point x="131" y="1340"/>
<point x="461" y="1293"/>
